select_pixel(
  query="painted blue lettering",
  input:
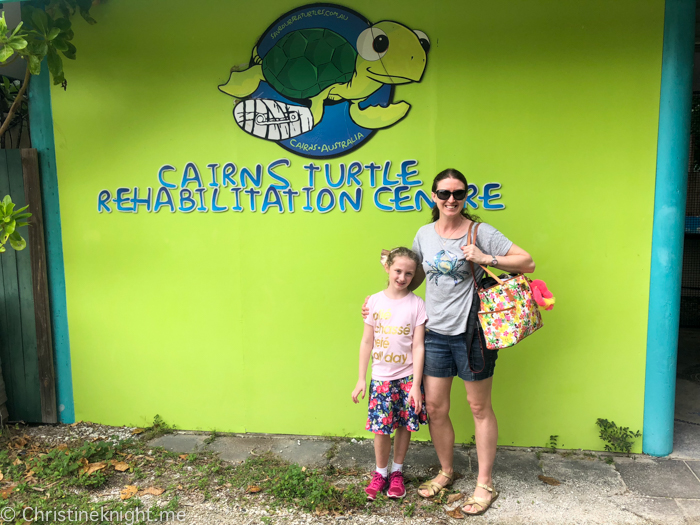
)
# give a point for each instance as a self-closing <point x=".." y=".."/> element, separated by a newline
<point x="398" y="199"/>
<point x="164" y="198"/>
<point x="307" y="190"/>
<point x="186" y="179"/>
<point x="103" y="199"/>
<point x="422" y="196"/>
<point x="407" y="172"/>
<point x="229" y="172"/>
<point x="377" y="193"/>
<point x="344" y="199"/>
<point x="488" y="196"/>
<point x="290" y="193"/>
<point x="473" y="190"/>
<point x="186" y="198"/>
<point x="329" y="180"/>
<point x="272" y="198"/>
<point x="163" y="169"/>
<point x="319" y="200"/>
<point x="312" y="168"/>
<point x="373" y="169"/>
<point x="214" y="204"/>
<point x="142" y="202"/>
<point x="353" y="171"/>
<point x="255" y="179"/>
<point x="120" y="199"/>
<point x="212" y="167"/>
<point x="237" y="194"/>
<point x="385" y="175"/>
<point x="201" y="206"/>
<point x="282" y="183"/>
<point x="253" y="193"/>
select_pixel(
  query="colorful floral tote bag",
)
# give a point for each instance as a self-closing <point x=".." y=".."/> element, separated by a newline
<point x="508" y="313"/>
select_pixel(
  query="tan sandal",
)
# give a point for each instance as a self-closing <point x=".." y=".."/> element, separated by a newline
<point x="482" y="503"/>
<point x="433" y="487"/>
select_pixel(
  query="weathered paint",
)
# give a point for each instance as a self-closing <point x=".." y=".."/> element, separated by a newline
<point x="41" y="121"/>
<point x="669" y="216"/>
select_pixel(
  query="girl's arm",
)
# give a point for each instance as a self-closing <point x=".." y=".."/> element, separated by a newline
<point x="365" y="351"/>
<point x="418" y="360"/>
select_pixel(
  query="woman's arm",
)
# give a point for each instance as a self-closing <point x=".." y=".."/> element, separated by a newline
<point x="516" y="260"/>
<point x="365" y="351"/>
<point x="418" y="351"/>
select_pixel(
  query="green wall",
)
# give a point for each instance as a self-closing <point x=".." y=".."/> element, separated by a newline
<point x="250" y="322"/>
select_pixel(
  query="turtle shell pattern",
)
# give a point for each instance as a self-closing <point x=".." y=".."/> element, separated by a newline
<point x="305" y="62"/>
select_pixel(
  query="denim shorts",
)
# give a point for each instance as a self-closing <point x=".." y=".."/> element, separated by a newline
<point x="452" y="355"/>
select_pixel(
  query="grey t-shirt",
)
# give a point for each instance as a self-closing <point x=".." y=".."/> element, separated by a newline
<point x="449" y="286"/>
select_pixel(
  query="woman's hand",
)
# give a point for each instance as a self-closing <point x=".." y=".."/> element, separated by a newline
<point x="475" y="255"/>
<point x="360" y="387"/>
<point x="365" y="308"/>
<point x="415" y="398"/>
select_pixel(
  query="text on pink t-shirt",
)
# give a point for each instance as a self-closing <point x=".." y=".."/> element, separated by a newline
<point x="394" y="321"/>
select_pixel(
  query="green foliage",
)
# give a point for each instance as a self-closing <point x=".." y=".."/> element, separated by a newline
<point x="617" y="439"/>
<point x="10" y="220"/>
<point x="65" y="463"/>
<point x="552" y="444"/>
<point x="45" y="31"/>
<point x="157" y="429"/>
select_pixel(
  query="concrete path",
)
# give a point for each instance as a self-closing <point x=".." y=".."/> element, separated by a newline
<point x="635" y="490"/>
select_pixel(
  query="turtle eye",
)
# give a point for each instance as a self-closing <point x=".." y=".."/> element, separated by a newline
<point x="372" y="44"/>
<point x="423" y="39"/>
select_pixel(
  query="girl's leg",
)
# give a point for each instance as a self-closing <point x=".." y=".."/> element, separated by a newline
<point x="485" y="432"/>
<point x="437" y="403"/>
<point x="382" y="449"/>
<point x="402" y="438"/>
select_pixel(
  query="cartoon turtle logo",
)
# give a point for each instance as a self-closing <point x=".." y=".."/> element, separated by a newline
<point x="321" y="79"/>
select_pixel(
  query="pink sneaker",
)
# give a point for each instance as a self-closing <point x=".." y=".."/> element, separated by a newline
<point x="397" y="489"/>
<point x="375" y="486"/>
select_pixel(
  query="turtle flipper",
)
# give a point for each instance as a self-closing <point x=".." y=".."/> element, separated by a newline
<point x="272" y="120"/>
<point x="377" y="117"/>
<point x="243" y="83"/>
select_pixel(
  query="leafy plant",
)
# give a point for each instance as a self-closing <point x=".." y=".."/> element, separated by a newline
<point x="552" y="444"/>
<point x="10" y="220"/>
<point x="45" y="31"/>
<point x="617" y="439"/>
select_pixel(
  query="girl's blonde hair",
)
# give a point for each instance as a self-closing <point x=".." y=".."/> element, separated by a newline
<point x="401" y="252"/>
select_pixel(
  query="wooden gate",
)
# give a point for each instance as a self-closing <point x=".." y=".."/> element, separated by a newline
<point x="26" y="349"/>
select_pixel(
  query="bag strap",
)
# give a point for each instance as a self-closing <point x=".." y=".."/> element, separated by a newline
<point x="477" y="288"/>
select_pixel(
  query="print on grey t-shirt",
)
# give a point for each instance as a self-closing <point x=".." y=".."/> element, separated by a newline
<point x="449" y="286"/>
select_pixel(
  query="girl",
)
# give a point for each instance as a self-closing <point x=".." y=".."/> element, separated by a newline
<point x="393" y="335"/>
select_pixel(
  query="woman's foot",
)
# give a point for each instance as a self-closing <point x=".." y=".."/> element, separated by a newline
<point x="432" y="487"/>
<point x="481" y="500"/>
<point x="397" y="489"/>
<point x="377" y="485"/>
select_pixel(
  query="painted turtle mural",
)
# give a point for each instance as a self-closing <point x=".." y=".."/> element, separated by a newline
<point x="324" y="74"/>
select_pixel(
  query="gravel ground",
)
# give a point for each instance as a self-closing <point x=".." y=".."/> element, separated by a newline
<point x="590" y="492"/>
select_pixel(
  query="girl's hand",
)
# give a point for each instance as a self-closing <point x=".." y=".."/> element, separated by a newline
<point x="365" y="311"/>
<point x="415" y="399"/>
<point x="475" y="255"/>
<point x="361" y="386"/>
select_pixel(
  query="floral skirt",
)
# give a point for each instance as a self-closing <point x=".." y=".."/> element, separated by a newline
<point x="389" y="408"/>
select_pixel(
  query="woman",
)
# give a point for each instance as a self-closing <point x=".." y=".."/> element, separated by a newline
<point x="451" y="344"/>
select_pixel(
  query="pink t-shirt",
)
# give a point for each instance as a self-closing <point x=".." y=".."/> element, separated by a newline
<point x="394" y="321"/>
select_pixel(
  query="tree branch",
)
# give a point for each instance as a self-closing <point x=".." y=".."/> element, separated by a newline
<point x="16" y="103"/>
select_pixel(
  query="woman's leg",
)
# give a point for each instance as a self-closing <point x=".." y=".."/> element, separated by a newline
<point x="437" y="403"/>
<point x="382" y="449"/>
<point x="402" y="438"/>
<point x="486" y="433"/>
